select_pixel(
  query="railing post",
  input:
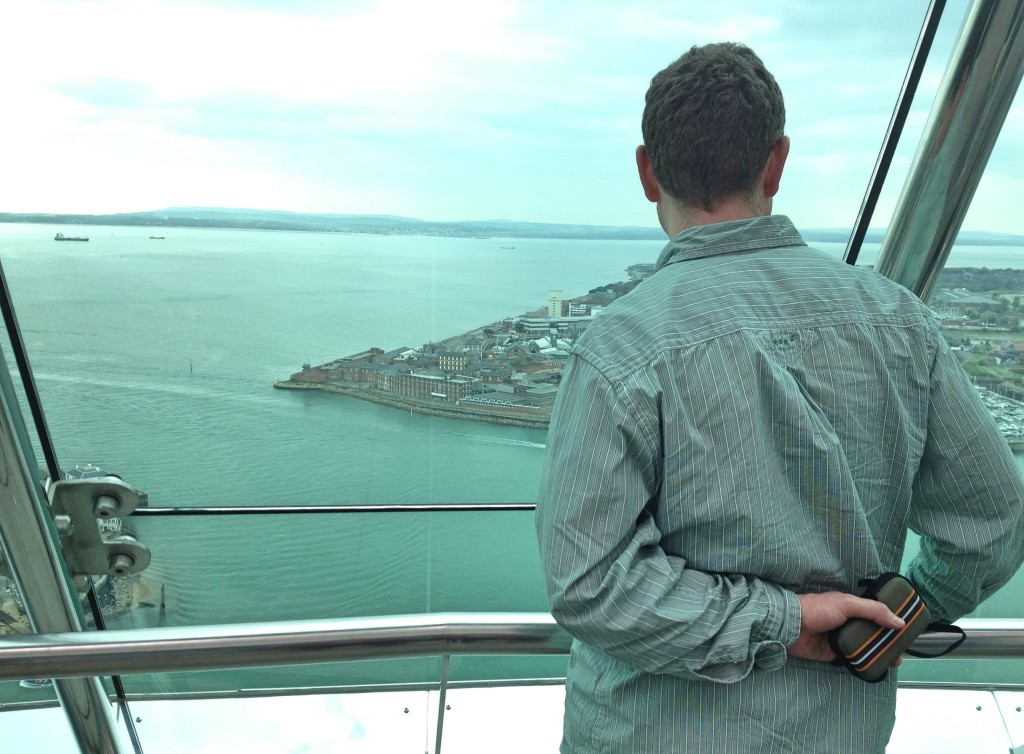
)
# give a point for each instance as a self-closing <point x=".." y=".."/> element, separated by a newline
<point x="442" y="696"/>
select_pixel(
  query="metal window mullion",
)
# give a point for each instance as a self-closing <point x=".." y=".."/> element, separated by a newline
<point x="29" y="538"/>
<point x="28" y="381"/>
<point x="896" y="123"/>
<point x="976" y="94"/>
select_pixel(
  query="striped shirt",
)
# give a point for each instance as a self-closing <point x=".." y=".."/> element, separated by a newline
<point x="754" y="421"/>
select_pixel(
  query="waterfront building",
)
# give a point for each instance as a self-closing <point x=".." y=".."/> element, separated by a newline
<point x="536" y="395"/>
<point x="425" y="386"/>
<point x="452" y="362"/>
<point x="572" y="326"/>
<point x="361" y="372"/>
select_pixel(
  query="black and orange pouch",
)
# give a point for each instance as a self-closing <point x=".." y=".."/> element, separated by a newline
<point x="868" y="650"/>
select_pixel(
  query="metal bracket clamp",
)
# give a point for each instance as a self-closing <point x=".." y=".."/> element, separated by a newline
<point x="82" y="509"/>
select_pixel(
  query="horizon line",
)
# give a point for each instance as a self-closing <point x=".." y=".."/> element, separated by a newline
<point x="95" y="218"/>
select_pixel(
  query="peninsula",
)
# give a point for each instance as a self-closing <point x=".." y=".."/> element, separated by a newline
<point x="507" y="372"/>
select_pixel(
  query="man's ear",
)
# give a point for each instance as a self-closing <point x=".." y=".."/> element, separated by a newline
<point x="773" y="167"/>
<point x="643" y="163"/>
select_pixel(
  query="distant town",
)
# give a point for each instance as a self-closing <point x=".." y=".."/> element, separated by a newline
<point x="508" y="371"/>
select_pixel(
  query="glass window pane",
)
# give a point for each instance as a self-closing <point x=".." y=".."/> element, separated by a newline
<point x="36" y="730"/>
<point x="370" y="723"/>
<point x="522" y="718"/>
<point x="156" y="349"/>
<point x="238" y="569"/>
<point x="978" y="299"/>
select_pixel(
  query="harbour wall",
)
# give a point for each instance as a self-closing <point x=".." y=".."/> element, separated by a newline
<point x="432" y="408"/>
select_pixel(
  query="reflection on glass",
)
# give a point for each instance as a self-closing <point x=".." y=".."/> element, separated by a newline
<point x="14" y="622"/>
<point x="396" y="721"/>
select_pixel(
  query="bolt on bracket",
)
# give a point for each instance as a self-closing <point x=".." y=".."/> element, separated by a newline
<point x="87" y="514"/>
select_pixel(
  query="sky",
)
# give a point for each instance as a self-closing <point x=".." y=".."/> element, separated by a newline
<point x="449" y="110"/>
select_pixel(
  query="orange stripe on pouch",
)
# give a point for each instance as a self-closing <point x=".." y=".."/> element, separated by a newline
<point x="880" y="630"/>
<point x="898" y="634"/>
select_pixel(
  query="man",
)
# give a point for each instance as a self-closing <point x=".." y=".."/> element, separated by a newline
<point x="741" y="440"/>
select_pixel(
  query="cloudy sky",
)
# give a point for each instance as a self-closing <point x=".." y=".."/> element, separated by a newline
<point x="449" y="110"/>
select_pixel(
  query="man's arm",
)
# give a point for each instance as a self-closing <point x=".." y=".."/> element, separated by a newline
<point x="612" y="585"/>
<point x="968" y="500"/>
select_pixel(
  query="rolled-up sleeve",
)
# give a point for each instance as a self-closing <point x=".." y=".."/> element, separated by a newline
<point x="610" y="582"/>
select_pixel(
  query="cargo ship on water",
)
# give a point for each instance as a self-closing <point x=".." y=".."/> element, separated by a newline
<point x="62" y="237"/>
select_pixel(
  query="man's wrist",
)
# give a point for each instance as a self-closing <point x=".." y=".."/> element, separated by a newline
<point x="782" y="617"/>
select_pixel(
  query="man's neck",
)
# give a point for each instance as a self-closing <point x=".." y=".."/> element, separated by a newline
<point x="676" y="218"/>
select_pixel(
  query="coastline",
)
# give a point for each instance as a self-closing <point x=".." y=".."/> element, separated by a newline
<point x="432" y="408"/>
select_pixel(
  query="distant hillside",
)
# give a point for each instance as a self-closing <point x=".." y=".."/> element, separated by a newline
<point x="211" y="217"/>
<point x="982" y="279"/>
<point x="205" y="217"/>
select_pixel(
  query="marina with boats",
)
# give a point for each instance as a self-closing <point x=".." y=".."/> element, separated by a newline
<point x="1008" y="414"/>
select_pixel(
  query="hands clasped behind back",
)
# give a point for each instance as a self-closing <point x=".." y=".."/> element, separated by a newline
<point x="820" y="613"/>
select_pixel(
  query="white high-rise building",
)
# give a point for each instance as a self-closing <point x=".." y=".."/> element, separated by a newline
<point x="554" y="303"/>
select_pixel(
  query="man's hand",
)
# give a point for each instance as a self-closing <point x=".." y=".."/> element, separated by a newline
<point x="820" y="613"/>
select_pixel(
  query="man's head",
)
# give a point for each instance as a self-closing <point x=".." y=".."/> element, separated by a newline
<point x="711" y="122"/>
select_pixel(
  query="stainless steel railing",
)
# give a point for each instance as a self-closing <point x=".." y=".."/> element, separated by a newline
<point x="159" y="650"/>
<point x="156" y="650"/>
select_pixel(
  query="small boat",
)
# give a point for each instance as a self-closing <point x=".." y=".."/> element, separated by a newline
<point x="36" y="683"/>
<point x="62" y="237"/>
<point x="156" y="238"/>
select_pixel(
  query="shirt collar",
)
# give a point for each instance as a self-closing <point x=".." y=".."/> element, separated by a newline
<point x="752" y="234"/>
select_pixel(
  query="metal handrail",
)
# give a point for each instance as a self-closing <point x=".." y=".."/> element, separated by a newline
<point x="160" y="650"/>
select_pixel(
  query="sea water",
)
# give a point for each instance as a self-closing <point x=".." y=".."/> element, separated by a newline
<point x="155" y="359"/>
